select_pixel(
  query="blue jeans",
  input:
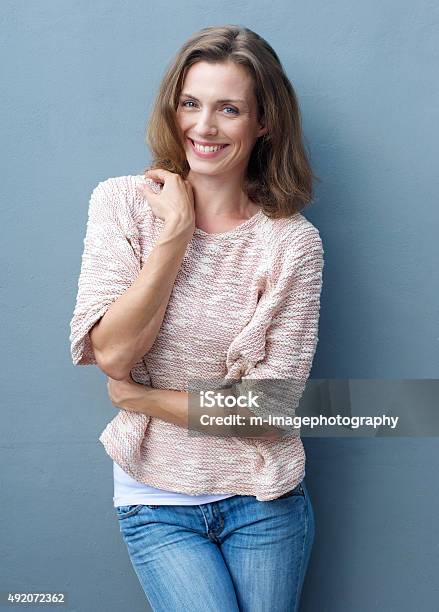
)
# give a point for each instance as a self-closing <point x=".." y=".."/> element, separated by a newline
<point x="234" y="554"/>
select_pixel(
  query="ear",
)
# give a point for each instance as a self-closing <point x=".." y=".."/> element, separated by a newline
<point x="263" y="130"/>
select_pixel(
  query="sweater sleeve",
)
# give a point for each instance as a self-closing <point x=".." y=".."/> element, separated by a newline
<point x="110" y="263"/>
<point x="285" y="337"/>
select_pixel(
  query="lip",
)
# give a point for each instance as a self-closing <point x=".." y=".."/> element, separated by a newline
<point x="207" y="155"/>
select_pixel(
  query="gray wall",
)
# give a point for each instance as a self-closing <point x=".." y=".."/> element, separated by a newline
<point x="80" y="78"/>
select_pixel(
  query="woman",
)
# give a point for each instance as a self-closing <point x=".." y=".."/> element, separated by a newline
<point x="205" y="270"/>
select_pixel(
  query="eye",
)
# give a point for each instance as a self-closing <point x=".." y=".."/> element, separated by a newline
<point x="187" y="102"/>
<point x="235" y="111"/>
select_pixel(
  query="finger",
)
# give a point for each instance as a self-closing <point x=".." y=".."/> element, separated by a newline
<point x="158" y="174"/>
<point x="152" y="186"/>
<point x="148" y="188"/>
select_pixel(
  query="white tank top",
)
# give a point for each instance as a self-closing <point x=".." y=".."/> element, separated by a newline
<point x="128" y="491"/>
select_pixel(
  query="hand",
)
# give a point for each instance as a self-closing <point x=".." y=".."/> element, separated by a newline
<point x="175" y="200"/>
<point x="127" y="394"/>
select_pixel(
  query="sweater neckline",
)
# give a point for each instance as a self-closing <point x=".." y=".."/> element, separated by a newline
<point x="235" y="231"/>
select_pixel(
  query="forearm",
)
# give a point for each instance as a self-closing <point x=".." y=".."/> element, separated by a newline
<point x="130" y="326"/>
<point x="174" y="406"/>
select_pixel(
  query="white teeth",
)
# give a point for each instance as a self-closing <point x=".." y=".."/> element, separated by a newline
<point x="207" y="149"/>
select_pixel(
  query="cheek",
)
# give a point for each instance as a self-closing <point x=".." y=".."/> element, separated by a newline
<point x="241" y="134"/>
<point x="182" y="121"/>
<point x="243" y="143"/>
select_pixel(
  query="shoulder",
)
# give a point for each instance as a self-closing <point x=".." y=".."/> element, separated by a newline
<point x="296" y="254"/>
<point x="119" y="197"/>
<point x="293" y="237"/>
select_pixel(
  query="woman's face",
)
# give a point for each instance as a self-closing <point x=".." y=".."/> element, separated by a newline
<point x="218" y="106"/>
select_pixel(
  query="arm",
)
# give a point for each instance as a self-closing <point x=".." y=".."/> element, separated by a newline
<point x="292" y="335"/>
<point x="112" y="287"/>
<point x="129" y="328"/>
<point x="290" y="344"/>
<point x="173" y="407"/>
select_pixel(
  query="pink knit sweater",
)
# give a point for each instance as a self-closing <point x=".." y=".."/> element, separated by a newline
<point x="245" y="305"/>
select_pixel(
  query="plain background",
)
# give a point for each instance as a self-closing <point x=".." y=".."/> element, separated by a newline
<point x="78" y="81"/>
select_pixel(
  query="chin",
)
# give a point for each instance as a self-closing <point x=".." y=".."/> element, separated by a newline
<point x="200" y="170"/>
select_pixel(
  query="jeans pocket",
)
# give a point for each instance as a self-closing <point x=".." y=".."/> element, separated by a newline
<point x="126" y="511"/>
<point x="298" y="490"/>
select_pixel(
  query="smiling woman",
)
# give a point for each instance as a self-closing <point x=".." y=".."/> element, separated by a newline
<point x="210" y="120"/>
<point x="226" y="85"/>
<point x="213" y="275"/>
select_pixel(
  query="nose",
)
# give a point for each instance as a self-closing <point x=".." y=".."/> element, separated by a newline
<point x="206" y="124"/>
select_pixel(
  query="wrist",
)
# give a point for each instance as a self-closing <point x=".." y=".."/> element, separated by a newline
<point x="136" y="397"/>
<point x="179" y="225"/>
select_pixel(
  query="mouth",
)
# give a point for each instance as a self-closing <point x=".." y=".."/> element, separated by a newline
<point x="207" y="154"/>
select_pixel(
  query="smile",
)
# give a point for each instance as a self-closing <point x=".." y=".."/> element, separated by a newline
<point x="207" y="152"/>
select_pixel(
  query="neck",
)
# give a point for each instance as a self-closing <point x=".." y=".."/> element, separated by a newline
<point x="215" y="196"/>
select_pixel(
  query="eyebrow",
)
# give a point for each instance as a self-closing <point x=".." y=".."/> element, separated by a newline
<point x="188" y="95"/>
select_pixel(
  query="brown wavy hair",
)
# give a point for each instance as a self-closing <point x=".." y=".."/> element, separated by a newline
<point x="279" y="175"/>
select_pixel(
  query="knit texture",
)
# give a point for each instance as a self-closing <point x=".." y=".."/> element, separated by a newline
<point x="245" y="305"/>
